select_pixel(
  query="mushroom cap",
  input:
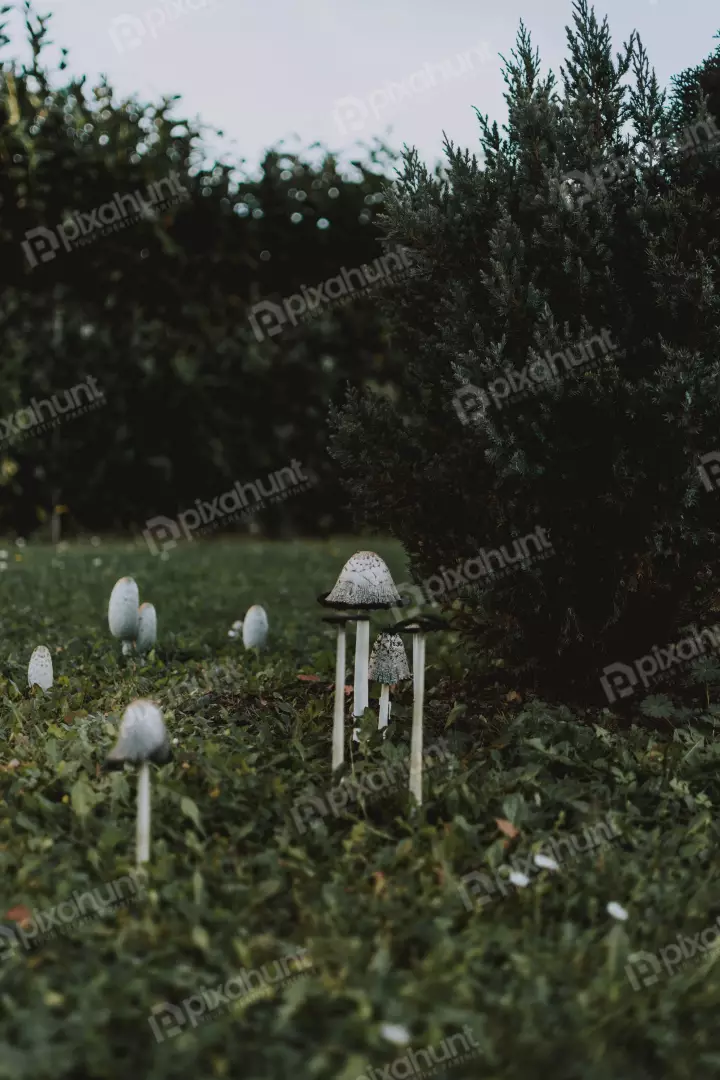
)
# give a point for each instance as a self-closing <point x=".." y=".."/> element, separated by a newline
<point x="142" y="737"/>
<point x="40" y="668"/>
<point x="388" y="660"/>
<point x="364" y="582"/>
<point x="146" y="628"/>
<point x="255" y="627"/>
<point x="123" y="609"/>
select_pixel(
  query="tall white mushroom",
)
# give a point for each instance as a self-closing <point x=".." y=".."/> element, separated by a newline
<point x="338" y="738"/>
<point x="142" y="738"/>
<point x="146" y="628"/>
<point x="363" y="585"/>
<point x="388" y="666"/>
<point x="40" y="668"/>
<point x="255" y="627"/>
<point x="123" y="612"/>
<point x="418" y="627"/>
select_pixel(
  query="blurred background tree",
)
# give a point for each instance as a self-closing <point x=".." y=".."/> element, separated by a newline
<point x="157" y="310"/>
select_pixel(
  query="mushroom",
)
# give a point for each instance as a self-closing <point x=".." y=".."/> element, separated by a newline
<point x="123" y="612"/>
<point x="143" y="738"/>
<point x="146" y="628"/>
<point x="418" y="627"/>
<point x="40" y="668"/>
<point x="364" y="584"/>
<point x="255" y="627"/>
<point x="388" y="666"/>
<point x="338" y="738"/>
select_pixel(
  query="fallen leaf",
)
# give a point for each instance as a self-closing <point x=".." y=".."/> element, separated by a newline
<point x="507" y="827"/>
<point x="214" y="793"/>
<point x="513" y="696"/>
<point x="309" y="678"/>
<point x="348" y="689"/>
<point x="20" y="915"/>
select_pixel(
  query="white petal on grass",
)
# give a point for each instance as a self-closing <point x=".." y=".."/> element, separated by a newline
<point x="232" y="633"/>
<point x="545" y="862"/>
<point x="396" y="1033"/>
<point x="519" y="879"/>
<point x="617" y="911"/>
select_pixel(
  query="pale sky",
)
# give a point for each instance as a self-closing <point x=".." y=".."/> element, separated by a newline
<point x="324" y="69"/>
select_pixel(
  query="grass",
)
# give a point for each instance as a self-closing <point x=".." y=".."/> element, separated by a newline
<point x="356" y="910"/>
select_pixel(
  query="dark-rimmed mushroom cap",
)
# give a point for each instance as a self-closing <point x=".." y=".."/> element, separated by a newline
<point x="388" y="660"/>
<point x="142" y="737"/>
<point x="421" y="624"/>
<point x="364" y="583"/>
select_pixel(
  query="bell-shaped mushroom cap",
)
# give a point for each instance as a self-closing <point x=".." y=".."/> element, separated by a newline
<point x="388" y="660"/>
<point x="40" y="668"/>
<point x="255" y="627"/>
<point x="123" y="609"/>
<point x="143" y="736"/>
<point x="364" y="582"/>
<point x="146" y="628"/>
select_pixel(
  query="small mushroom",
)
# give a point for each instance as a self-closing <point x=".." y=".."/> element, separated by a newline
<point x="388" y="666"/>
<point x="123" y="612"/>
<point x="364" y="584"/>
<point x="255" y="627"/>
<point x="146" y="628"/>
<point x="40" y="668"/>
<point x="142" y="738"/>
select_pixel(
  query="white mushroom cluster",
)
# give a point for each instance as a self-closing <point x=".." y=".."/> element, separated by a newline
<point x="132" y="623"/>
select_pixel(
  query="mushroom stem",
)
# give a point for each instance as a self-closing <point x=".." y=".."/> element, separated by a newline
<point x="384" y="714"/>
<point x="338" y="743"/>
<point x="362" y="662"/>
<point x="143" y="815"/>
<point x="416" y="741"/>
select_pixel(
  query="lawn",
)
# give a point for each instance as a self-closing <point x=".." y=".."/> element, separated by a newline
<point x="292" y="926"/>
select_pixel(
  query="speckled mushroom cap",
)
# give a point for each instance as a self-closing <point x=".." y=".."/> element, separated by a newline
<point x="388" y="660"/>
<point x="123" y="609"/>
<point x="40" y="668"/>
<point x="364" y="582"/>
<point x="143" y="736"/>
